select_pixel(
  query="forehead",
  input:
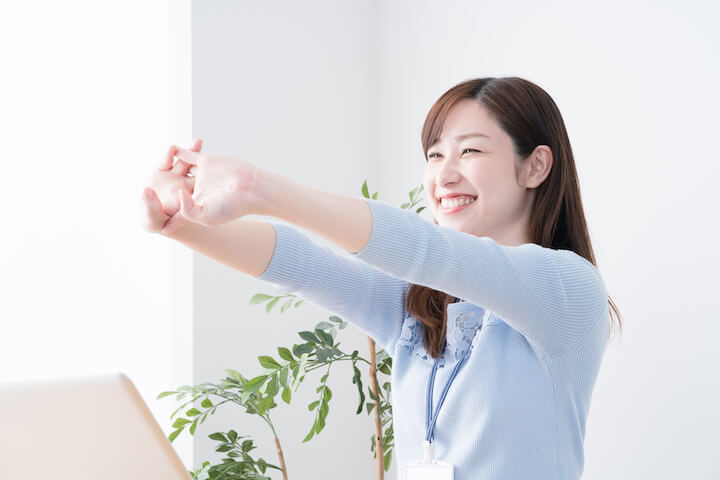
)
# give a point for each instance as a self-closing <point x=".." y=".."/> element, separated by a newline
<point x="469" y="116"/>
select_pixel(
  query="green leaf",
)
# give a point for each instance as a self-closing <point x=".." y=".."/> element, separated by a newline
<point x="321" y="416"/>
<point x="286" y="395"/>
<point x="404" y="205"/>
<point x="286" y="305"/>
<point x="173" y="435"/>
<point x="313" y="405"/>
<point x="310" y="434"/>
<point x="323" y="354"/>
<point x="369" y="407"/>
<point x="262" y="465"/>
<point x="357" y="379"/>
<point x="299" y="371"/>
<point x="372" y="395"/>
<point x="285" y="354"/>
<point x="299" y="302"/>
<point x="387" y="460"/>
<point x="375" y="196"/>
<point x="220" y="437"/>
<point x="264" y="404"/>
<point x="260" y="297"/>
<point x="419" y="209"/>
<point x="180" y="422"/>
<point x="244" y="396"/>
<point x="273" y="386"/>
<point x="255" y="384"/>
<point x="232" y="435"/>
<point x="304" y="348"/>
<point x="269" y="362"/>
<point x="164" y="394"/>
<point x="247" y="445"/>
<point x="193" y="412"/>
<point x="271" y="304"/>
<point x="193" y="426"/>
<point x="234" y="375"/>
<point x="324" y="336"/>
<point x="336" y="319"/>
<point x="206" y="403"/>
<point x="308" y="336"/>
<point x="365" y="189"/>
<point x="327" y="394"/>
<point x="283" y="377"/>
<point x="324" y="326"/>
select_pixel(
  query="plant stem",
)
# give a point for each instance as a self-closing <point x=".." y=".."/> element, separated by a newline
<point x="378" y="425"/>
<point x="281" y="458"/>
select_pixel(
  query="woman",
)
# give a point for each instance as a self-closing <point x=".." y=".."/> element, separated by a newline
<point x="499" y="302"/>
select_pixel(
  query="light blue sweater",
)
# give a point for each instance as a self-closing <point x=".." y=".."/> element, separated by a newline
<point x="536" y="320"/>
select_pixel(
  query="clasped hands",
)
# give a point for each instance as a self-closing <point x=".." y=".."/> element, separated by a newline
<point x="199" y="187"/>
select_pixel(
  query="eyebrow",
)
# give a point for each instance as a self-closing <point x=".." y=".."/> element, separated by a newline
<point x="468" y="135"/>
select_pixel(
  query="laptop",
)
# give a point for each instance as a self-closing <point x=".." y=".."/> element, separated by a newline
<point x="93" y="427"/>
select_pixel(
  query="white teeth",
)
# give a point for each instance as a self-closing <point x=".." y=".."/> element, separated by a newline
<point x="447" y="204"/>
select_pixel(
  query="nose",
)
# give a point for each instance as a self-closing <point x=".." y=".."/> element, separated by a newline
<point x="448" y="172"/>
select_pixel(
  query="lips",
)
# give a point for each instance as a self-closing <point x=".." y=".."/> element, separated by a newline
<point x="455" y="209"/>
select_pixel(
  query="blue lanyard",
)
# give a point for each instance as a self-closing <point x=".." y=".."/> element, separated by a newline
<point x="430" y="422"/>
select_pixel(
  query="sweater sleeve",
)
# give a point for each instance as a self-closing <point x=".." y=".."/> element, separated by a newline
<point x="362" y="295"/>
<point x="552" y="297"/>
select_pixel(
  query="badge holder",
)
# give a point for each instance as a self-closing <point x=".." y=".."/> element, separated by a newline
<point x="428" y="468"/>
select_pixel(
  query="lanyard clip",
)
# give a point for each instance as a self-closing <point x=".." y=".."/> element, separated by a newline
<point x="428" y="452"/>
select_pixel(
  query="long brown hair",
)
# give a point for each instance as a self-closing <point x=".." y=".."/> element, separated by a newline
<point x="530" y="117"/>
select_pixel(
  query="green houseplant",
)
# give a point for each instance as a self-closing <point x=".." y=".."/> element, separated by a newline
<point x="283" y="376"/>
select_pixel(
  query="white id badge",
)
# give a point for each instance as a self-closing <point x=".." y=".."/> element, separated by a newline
<point x="437" y="470"/>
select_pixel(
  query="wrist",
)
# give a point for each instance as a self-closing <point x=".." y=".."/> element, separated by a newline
<point x="271" y="189"/>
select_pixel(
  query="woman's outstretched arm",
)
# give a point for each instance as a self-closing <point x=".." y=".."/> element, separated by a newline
<point x="294" y="263"/>
<point x="245" y="245"/>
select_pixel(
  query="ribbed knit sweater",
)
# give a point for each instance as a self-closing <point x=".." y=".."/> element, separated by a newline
<point x="535" y="320"/>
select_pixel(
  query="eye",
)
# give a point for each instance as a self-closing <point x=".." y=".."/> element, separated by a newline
<point x="435" y="154"/>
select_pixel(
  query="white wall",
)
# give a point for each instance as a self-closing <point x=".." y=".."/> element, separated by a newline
<point x="331" y="93"/>
<point x="84" y="113"/>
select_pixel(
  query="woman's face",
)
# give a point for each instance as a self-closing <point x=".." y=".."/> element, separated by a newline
<point x="484" y="167"/>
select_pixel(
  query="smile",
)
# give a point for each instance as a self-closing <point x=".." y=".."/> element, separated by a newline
<point x="450" y="210"/>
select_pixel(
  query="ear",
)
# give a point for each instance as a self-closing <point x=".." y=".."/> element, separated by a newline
<point x="537" y="166"/>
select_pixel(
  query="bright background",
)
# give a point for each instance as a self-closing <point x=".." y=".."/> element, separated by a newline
<point x="332" y="93"/>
